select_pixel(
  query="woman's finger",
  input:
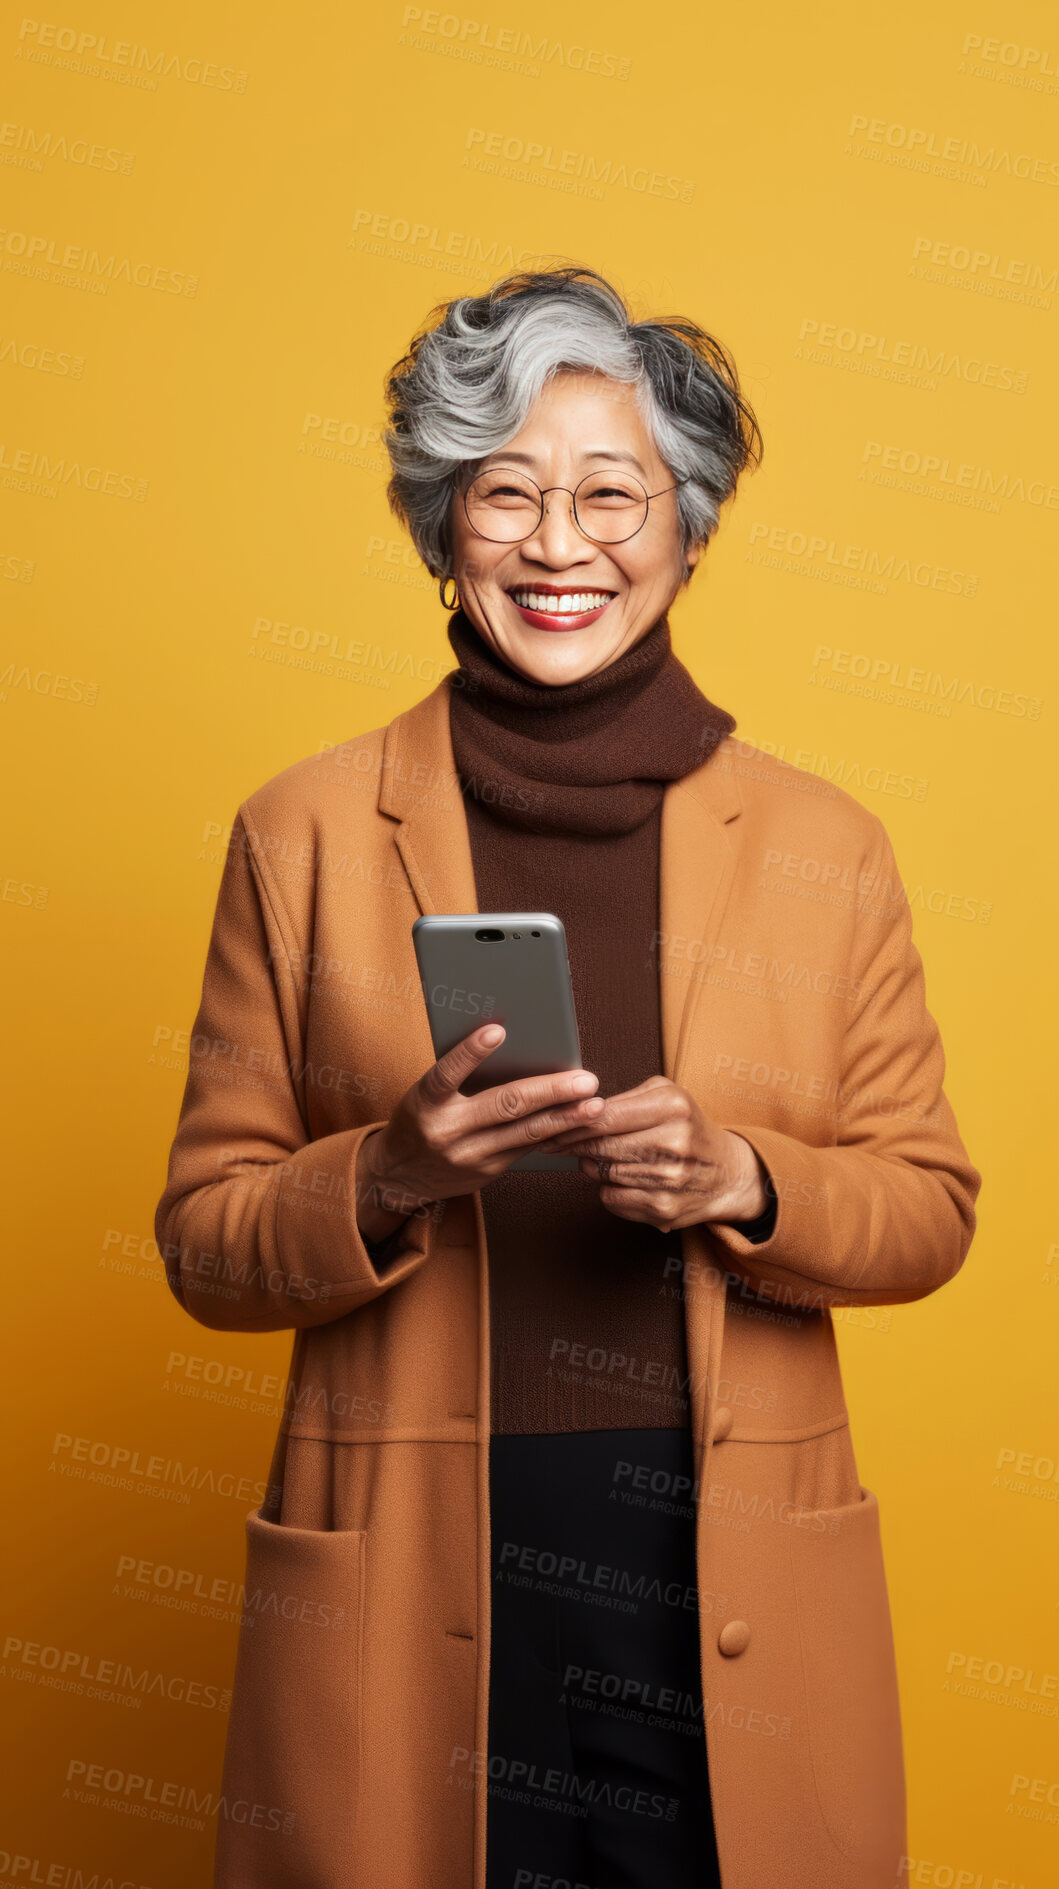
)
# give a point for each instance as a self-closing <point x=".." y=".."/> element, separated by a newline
<point x="641" y="1149"/>
<point x="628" y="1203"/>
<point x="662" y="1208"/>
<point x="667" y="1177"/>
<point x="444" y="1076"/>
<point x="635" y="1110"/>
<point x="538" y="1129"/>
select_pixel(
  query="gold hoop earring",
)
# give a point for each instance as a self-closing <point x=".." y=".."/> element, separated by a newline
<point x="441" y="592"/>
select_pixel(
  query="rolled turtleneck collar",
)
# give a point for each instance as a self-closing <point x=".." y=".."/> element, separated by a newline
<point x="591" y="756"/>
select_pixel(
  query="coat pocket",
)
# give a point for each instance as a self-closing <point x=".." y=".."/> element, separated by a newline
<point x="290" y="1784"/>
<point x="850" y="1679"/>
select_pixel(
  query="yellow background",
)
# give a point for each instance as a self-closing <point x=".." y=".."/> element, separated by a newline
<point x="323" y="175"/>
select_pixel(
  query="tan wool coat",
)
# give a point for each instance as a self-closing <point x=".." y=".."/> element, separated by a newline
<point x="793" y="1009"/>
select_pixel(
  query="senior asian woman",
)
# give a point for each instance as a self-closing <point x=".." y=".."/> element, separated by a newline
<point x="564" y="1573"/>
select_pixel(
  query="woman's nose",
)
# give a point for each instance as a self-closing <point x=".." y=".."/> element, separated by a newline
<point x="557" y="535"/>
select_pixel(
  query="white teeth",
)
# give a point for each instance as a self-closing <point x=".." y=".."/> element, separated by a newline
<point x="572" y="604"/>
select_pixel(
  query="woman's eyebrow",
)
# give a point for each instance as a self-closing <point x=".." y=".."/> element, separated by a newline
<point x="596" y="452"/>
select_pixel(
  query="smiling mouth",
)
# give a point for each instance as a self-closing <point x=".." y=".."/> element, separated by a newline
<point x="551" y="602"/>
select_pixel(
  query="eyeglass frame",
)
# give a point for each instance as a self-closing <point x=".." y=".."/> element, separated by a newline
<point x="544" y="491"/>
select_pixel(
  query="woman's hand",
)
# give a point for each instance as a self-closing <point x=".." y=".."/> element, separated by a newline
<point x="660" y="1159"/>
<point x="438" y="1143"/>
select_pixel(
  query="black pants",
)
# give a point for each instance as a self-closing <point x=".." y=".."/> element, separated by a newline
<point x="597" y="1758"/>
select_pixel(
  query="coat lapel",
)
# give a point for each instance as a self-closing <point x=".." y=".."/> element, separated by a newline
<point x="698" y="857"/>
<point x="419" y="788"/>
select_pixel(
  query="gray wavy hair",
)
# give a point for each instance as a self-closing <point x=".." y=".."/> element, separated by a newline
<point x="478" y="364"/>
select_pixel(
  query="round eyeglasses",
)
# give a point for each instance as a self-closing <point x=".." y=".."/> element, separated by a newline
<point x="506" y="506"/>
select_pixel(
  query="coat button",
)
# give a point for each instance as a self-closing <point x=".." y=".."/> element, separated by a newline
<point x="722" y="1422"/>
<point x="733" y="1638"/>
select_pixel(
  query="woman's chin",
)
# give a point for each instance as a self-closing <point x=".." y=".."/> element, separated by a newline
<point x="549" y="654"/>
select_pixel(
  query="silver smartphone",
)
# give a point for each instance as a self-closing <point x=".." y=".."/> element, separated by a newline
<point x="502" y="967"/>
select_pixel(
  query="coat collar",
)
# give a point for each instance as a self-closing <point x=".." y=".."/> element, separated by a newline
<point x="419" y="788"/>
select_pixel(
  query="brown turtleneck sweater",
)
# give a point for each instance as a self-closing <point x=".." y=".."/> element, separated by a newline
<point x="563" y="790"/>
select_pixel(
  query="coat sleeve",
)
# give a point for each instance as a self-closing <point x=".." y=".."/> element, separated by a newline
<point x="257" y="1225"/>
<point x="888" y="1213"/>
